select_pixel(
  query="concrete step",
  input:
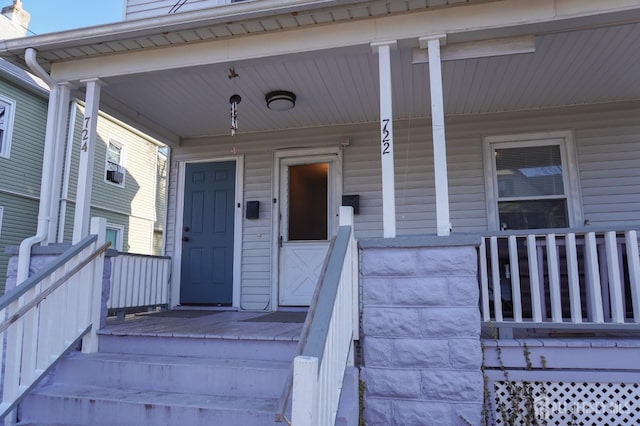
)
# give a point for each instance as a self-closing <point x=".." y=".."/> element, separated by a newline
<point x="164" y="380"/>
<point x="204" y="376"/>
<point x="257" y="348"/>
<point x="72" y="404"/>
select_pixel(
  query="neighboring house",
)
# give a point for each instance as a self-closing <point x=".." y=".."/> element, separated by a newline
<point x="24" y="116"/>
<point x="491" y="147"/>
<point x="131" y="202"/>
<point x="128" y="184"/>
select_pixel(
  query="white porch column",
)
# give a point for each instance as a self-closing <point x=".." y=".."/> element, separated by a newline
<point x="62" y="114"/>
<point x="386" y="138"/>
<point x="443" y="222"/>
<point x="85" y="170"/>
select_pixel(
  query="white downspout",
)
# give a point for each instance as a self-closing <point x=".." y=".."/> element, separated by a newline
<point x="24" y="256"/>
<point x="62" y="217"/>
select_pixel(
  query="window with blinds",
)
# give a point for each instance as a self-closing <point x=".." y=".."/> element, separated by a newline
<point x="532" y="181"/>
<point x="530" y="187"/>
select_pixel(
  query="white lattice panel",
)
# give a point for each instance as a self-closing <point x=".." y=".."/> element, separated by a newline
<point x="568" y="403"/>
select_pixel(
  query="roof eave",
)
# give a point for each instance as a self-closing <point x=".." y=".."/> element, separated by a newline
<point x="234" y="12"/>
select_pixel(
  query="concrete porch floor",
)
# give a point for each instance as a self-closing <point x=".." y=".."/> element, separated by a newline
<point x="209" y="324"/>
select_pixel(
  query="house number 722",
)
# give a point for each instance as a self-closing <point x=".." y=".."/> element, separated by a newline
<point x="386" y="141"/>
<point x="85" y="134"/>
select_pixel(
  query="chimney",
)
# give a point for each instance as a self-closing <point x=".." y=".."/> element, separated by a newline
<point x="18" y="21"/>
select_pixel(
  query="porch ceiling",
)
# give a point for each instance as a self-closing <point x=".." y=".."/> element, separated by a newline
<point x="589" y="58"/>
<point x="341" y="86"/>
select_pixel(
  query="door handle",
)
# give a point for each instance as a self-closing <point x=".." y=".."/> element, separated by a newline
<point x="281" y="241"/>
<point x="185" y="239"/>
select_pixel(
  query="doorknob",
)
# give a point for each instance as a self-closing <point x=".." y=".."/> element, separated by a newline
<point x="186" y="229"/>
<point x="185" y="239"/>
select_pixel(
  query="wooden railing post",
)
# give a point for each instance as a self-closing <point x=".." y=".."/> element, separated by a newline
<point x="590" y="277"/>
<point x="592" y="274"/>
<point x="94" y="301"/>
<point x="305" y="398"/>
<point x="346" y="218"/>
<point x="631" y="239"/>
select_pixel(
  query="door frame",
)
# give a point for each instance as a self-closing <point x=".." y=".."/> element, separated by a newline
<point x="301" y="154"/>
<point x="237" y="227"/>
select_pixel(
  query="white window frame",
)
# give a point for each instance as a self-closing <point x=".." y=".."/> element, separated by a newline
<point x="123" y="151"/>
<point x="7" y="134"/>
<point x="565" y="139"/>
<point x="120" y="235"/>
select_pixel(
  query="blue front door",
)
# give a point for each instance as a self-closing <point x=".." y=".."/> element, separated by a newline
<point x="207" y="234"/>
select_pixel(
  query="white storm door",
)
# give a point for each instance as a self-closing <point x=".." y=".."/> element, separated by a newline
<point x="308" y="220"/>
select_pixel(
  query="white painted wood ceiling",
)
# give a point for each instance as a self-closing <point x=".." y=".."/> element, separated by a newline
<point x="578" y="67"/>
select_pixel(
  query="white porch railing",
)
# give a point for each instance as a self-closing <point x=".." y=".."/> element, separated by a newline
<point x="139" y="281"/>
<point x="326" y="344"/>
<point x="50" y="313"/>
<point x="561" y="277"/>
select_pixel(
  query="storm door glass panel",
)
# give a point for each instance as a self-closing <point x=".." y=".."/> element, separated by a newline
<point x="530" y="186"/>
<point x="308" y="197"/>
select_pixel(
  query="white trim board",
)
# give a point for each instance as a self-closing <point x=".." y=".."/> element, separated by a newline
<point x="237" y="228"/>
<point x="299" y="156"/>
<point x="566" y="140"/>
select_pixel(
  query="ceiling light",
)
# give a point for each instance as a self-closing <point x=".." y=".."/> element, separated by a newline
<point x="280" y="100"/>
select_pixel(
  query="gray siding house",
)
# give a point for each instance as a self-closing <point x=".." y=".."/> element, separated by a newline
<point x="488" y="156"/>
<point x="24" y="105"/>
<point x="128" y="202"/>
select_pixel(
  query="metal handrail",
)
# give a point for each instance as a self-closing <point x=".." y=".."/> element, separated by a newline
<point x="57" y="283"/>
<point x="335" y="255"/>
<point x="20" y="386"/>
<point x="41" y="274"/>
<point x="319" y="327"/>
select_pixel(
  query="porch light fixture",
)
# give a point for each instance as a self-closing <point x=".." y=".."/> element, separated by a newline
<point x="280" y="100"/>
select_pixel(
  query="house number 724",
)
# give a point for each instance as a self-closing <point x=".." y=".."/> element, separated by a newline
<point x="85" y="134"/>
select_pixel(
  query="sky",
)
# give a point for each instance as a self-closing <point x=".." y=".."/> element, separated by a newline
<point x="59" y="15"/>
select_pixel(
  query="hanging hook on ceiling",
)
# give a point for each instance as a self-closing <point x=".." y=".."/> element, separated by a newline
<point x="233" y="74"/>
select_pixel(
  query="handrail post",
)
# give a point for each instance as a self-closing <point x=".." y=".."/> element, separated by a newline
<point x="305" y="400"/>
<point x="90" y="341"/>
<point x="346" y="218"/>
<point x="631" y="239"/>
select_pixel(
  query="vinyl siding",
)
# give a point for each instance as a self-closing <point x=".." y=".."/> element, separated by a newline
<point x="607" y="144"/>
<point x="610" y="175"/>
<point x="132" y="205"/>
<point x="27" y="144"/>
<point x="20" y="173"/>
<point x="137" y="9"/>
<point x="19" y="221"/>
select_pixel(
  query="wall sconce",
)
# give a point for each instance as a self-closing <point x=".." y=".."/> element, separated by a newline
<point x="280" y="100"/>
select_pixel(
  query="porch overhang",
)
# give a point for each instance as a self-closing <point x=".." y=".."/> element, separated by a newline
<point x="171" y="76"/>
<point x="487" y="19"/>
<point x="328" y="62"/>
